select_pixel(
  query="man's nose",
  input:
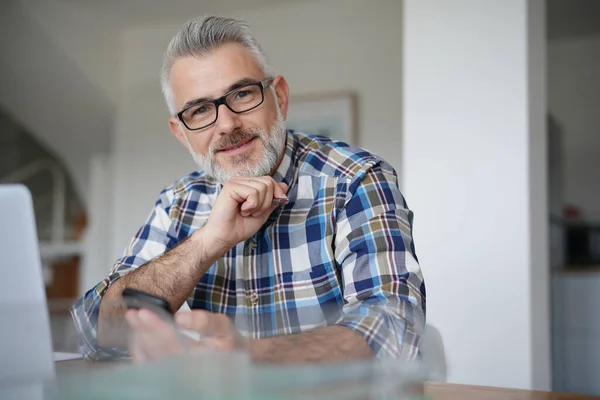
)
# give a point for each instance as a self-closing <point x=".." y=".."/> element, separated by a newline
<point x="227" y="121"/>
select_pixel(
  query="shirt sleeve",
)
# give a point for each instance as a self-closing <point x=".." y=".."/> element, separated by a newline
<point x="384" y="291"/>
<point x="151" y="240"/>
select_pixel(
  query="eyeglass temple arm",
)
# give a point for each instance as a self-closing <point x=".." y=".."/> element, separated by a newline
<point x="266" y="82"/>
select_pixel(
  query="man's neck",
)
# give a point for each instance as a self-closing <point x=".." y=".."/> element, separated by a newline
<point x="278" y="163"/>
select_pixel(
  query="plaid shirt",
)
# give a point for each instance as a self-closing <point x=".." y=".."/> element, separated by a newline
<point x="340" y="252"/>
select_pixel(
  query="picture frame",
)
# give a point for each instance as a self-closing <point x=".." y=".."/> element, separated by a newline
<point x="333" y="114"/>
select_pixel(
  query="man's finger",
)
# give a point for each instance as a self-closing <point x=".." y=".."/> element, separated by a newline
<point x="209" y="324"/>
<point x="157" y="338"/>
<point x="281" y="190"/>
<point x="264" y="195"/>
<point x="152" y="323"/>
<point x="255" y="194"/>
<point x="135" y="346"/>
<point x="266" y="189"/>
<point x="275" y="193"/>
<point x="246" y="195"/>
<point x="136" y="349"/>
<point x="132" y="318"/>
<point x="219" y="325"/>
<point x="193" y="320"/>
<point x="151" y="319"/>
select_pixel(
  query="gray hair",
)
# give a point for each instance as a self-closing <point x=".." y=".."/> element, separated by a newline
<point x="200" y="36"/>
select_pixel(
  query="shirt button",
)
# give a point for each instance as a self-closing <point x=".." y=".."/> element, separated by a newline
<point x="253" y="244"/>
<point x="254" y="298"/>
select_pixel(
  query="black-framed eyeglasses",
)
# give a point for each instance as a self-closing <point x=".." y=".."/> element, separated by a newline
<point x="243" y="99"/>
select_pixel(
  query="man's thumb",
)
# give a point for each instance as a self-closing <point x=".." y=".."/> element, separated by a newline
<point x="281" y="190"/>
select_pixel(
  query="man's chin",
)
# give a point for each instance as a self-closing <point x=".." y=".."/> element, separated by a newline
<point x="241" y="170"/>
<point x="237" y="163"/>
<point x="221" y="170"/>
<point x="231" y="162"/>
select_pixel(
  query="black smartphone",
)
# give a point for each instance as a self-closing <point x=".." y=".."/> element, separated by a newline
<point x="136" y="300"/>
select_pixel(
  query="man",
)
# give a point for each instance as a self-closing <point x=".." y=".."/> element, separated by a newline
<point x="296" y="247"/>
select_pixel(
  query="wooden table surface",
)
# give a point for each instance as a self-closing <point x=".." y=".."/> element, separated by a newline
<point x="446" y="391"/>
<point x="433" y="390"/>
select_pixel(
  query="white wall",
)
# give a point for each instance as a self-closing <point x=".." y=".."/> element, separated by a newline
<point x="89" y="42"/>
<point x="574" y="100"/>
<point x="319" y="46"/>
<point x="97" y="257"/>
<point x="473" y="164"/>
<point x="538" y="268"/>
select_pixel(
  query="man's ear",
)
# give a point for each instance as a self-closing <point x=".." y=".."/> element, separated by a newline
<point x="174" y="126"/>
<point x="282" y="91"/>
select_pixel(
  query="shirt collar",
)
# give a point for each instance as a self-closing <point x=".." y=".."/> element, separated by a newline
<point x="286" y="172"/>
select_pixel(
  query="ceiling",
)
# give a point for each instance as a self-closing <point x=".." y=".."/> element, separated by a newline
<point x="566" y="18"/>
<point x="123" y="14"/>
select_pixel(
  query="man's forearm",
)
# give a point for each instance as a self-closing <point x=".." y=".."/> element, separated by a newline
<point x="171" y="277"/>
<point x="329" y="344"/>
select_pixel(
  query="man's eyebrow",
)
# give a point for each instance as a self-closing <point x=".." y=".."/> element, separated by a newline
<point x="236" y="85"/>
<point x="241" y="82"/>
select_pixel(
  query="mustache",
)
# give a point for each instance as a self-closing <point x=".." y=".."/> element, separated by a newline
<point x="235" y="138"/>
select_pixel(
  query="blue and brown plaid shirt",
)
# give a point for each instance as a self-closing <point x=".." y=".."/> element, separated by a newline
<point x="340" y="252"/>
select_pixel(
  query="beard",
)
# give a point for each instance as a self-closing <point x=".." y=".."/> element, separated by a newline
<point x="242" y="165"/>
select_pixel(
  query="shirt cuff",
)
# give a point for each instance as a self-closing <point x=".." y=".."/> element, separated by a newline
<point x="85" y="313"/>
<point x="388" y="334"/>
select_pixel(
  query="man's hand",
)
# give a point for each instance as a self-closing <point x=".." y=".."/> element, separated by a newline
<point x="216" y="330"/>
<point x="153" y="338"/>
<point x="243" y="206"/>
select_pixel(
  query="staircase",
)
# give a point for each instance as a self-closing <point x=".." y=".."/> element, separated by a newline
<point x="59" y="212"/>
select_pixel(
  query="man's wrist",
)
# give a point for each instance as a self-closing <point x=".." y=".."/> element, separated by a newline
<point x="209" y="245"/>
<point x="258" y="348"/>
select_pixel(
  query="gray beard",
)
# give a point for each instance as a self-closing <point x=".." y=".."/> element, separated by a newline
<point x="274" y="145"/>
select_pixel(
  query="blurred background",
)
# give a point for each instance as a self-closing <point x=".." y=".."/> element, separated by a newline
<point x="488" y="109"/>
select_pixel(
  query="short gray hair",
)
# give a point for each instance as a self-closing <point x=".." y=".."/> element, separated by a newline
<point x="200" y="36"/>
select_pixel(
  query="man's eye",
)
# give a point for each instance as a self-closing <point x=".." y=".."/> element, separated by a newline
<point x="201" y="110"/>
<point x="242" y="93"/>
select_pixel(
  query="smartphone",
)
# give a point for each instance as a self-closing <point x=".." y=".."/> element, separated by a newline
<point x="136" y="300"/>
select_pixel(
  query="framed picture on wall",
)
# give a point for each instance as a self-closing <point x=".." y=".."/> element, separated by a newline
<point x="333" y="115"/>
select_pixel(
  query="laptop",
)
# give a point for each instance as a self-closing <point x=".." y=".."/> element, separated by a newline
<point x="26" y="359"/>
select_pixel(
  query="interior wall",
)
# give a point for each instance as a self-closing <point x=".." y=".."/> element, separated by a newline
<point x="474" y="172"/>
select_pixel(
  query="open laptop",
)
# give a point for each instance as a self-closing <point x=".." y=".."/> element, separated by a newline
<point x="25" y="339"/>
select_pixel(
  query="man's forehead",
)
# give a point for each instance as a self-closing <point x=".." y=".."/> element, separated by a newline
<point x="211" y="75"/>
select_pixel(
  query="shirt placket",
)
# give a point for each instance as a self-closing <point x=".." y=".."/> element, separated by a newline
<point x="252" y="297"/>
